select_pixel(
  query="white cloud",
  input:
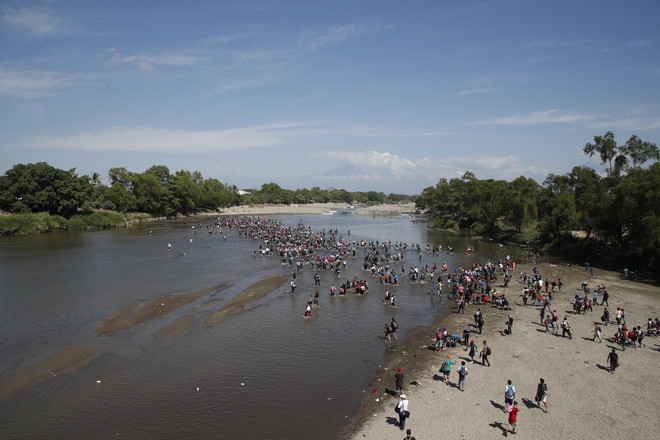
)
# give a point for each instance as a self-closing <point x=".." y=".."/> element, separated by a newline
<point x="376" y="166"/>
<point x="35" y="20"/>
<point x="536" y="118"/>
<point x="33" y="83"/>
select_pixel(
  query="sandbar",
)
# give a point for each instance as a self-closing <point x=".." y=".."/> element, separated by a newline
<point x="252" y="293"/>
<point x="66" y="360"/>
<point x="176" y="327"/>
<point x="157" y="308"/>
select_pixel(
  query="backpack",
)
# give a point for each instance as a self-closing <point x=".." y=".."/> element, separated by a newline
<point x="509" y="392"/>
<point x="395" y="325"/>
<point x="487" y="351"/>
<point x="462" y="371"/>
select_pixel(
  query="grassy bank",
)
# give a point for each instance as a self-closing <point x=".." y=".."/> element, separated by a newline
<point x="43" y="222"/>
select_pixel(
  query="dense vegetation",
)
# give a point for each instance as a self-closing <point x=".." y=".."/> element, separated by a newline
<point x="41" y="197"/>
<point x="618" y="213"/>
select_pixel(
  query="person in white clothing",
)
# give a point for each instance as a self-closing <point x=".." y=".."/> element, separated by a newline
<point x="402" y="409"/>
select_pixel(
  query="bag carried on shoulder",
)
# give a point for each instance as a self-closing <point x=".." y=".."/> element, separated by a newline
<point x="396" y="408"/>
<point x="405" y="414"/>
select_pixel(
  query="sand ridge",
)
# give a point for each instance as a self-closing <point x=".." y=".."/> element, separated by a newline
<point x="252" y="293"/>
<point x="66" y="360"/>
<point x="128" y="317"/>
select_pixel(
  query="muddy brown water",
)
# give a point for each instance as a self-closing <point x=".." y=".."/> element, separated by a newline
<point x="264" y="372"/>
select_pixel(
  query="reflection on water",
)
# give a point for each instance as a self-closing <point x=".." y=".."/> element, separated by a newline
<point x="263" y="373"/>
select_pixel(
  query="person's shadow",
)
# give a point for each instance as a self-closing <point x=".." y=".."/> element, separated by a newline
<point x="391" y="393"/>
<point x="392" y="421"/>
<point x="529" y="404"/>
<point x="497" y="405"/>
<point x="603" y="367"/>
<point x="498" y="425"/>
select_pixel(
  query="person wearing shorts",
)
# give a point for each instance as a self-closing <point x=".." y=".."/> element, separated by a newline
<point x="542" y="394"/>
<point x="513" y="419"/>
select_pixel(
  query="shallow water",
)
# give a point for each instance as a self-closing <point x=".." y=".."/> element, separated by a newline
<point x="265" y="373"/>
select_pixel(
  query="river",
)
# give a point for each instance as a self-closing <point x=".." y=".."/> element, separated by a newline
<point x="265" y="373"/>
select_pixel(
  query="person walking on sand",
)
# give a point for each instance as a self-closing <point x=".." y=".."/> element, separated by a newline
<point x="473" y="350"/>
<point x="613" y="359"/>
<point x="462" y="373"/>
<point x="485" y="352"/>
<point x="596" y="332"/>
<point x="513" y="419"/>
<point x="509" y="325"/>
<point x="566" y="328"/>
<point x="509" y="394"/>
<point x="398" y="381"/>
<point x="446" y="368"/>
<point x="402" y="408"/>
<point x="542" y="394"/>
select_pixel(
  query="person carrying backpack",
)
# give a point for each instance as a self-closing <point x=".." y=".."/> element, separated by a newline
<point x="485" y="352"/>
<point x="542" y="394"/>
<point x="509" y="394"/>
<point x="462" y="373"/>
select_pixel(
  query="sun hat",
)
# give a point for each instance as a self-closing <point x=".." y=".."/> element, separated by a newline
<point x="399" y="370"/>
<point x="403" y="396"/>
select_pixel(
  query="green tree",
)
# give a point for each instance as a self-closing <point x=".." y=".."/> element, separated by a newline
<point x="640" y="151"/>
<point x="42" y="188"/>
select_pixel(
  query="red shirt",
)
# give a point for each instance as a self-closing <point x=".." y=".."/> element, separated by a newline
<point x="513" y="415"/>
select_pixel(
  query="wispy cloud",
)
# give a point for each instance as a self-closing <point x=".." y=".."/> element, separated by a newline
<point x="157" y="140"/>
<point x="230" y="84"/>
<point x="540" y="59"/>
<point x="633" y="44"/>
<point x="334" y="35"/>
<point x="475" y="91"/>
<point x="152" y="140"/>
<point x="35" y="83"/>
<point x="34" y="20"/>
<point x="537" y="118"/>
<point x="632" y="123"/>
<point x="150" y="61"/>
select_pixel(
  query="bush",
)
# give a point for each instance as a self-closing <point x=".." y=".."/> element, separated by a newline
<point x="30" y="223"/>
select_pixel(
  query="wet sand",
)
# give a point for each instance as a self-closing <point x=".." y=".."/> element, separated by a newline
<point x="585" y="401"/>
<point x="71" y="358"/>
<point x="176" y="327"/>
<point x="68" y="359"/>
<point x="128" y="317"/>
<point x="254" y="292"/>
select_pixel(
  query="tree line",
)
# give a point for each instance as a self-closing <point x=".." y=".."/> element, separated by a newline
<point x="619" y="210"/>
<point x="40" y="187"/>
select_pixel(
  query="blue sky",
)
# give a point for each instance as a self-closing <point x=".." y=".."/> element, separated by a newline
<point x="361" y="95"/>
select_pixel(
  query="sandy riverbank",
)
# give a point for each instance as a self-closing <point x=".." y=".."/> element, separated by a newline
<point x="585" y="401"/>
<point x="317" y="208"/>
